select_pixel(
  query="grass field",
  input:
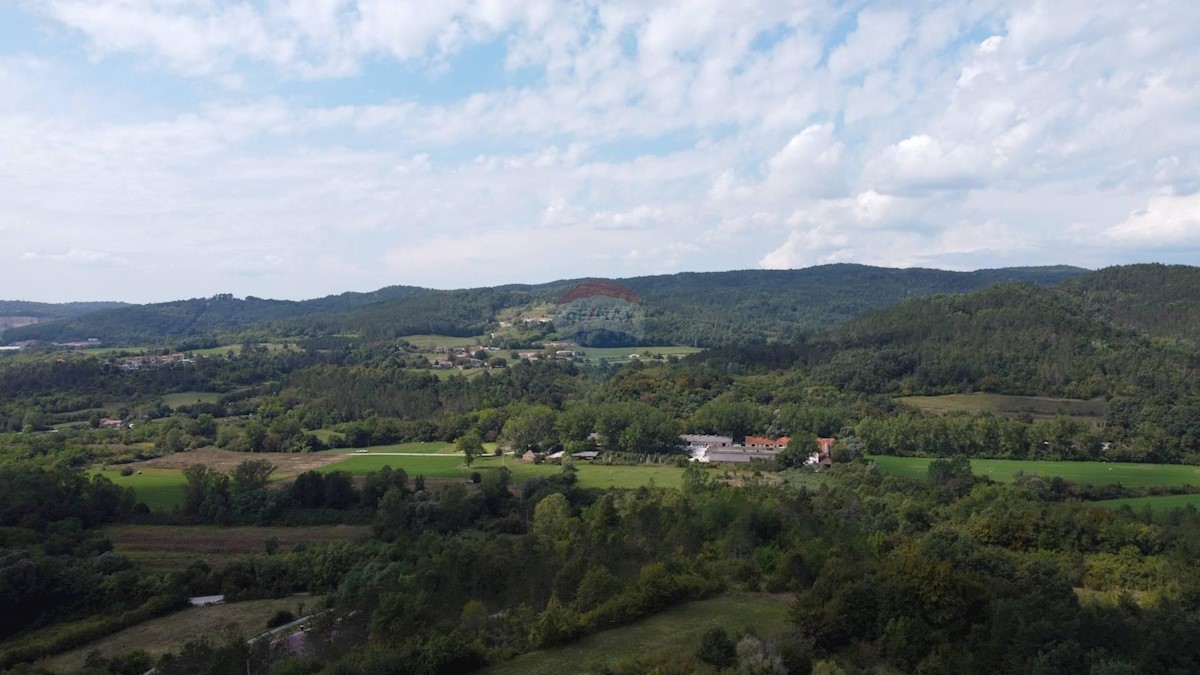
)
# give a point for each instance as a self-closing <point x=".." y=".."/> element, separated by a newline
<point x="166" y="548"/>
<point x="1164" y="503"/>
<point x="431" y="341"/>
<point x="168" y="633"/>
<point x="619" y="353"/>
<point x="1096" y="473"/>
<point x="160" y="489"/>
<point x="430" y="448"/>
<point x="674" y="633"/>
<point x="173" y="401"/>
<point x="1009" y="406"/>
<point x="451" y="466"/>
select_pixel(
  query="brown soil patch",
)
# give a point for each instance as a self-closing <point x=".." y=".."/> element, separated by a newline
<point x="223" y="460"/>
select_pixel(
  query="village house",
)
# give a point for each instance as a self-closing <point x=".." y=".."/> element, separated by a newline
<point x="110" y="423"/>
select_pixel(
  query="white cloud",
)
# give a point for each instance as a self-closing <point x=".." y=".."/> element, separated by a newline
<point x="79" y="256"/>
<point x="1167" y="220"/>
<point x="699" y="135"/>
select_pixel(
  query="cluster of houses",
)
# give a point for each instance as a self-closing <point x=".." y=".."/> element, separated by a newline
<point x="722" y="450"/>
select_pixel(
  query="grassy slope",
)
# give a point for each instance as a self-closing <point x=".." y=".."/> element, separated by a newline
<point x="1164" y="503"/>
<point x="1009" y="406"/>
<point x="673" y="633"/>
<point x="168" y="633"/>
<point x="1097" y="473"/>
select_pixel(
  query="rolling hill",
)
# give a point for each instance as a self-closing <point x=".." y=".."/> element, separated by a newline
<point x="701" y="309"/>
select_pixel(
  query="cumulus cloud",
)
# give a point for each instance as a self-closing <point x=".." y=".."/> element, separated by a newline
<point x="366" y="138"/>
<point x="1168" y="219"/>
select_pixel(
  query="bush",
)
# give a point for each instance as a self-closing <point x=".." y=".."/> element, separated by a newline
<point x="716" y="648"/>
<point x="281" y="618"/>
<point x="127" y="471"/>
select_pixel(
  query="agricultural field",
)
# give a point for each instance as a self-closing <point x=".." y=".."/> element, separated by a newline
<point x="166" y="548"/>
<point x="674" y="633"/>
<point x="1095" y="473"/>
<point x="416" y="448"/>
<point x="623" y="353"/>
<point x="1039" y="407"/>
<point x="1163" y="503"/>
<point x="174" y="401"/>
<point x="160" y="489"/>
<point x="452" y="466"/>
<point x="429" y="342"/>
<point x="166" y="634"/>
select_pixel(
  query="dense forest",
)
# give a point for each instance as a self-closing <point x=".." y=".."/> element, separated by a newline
<point x="948" y="572"/>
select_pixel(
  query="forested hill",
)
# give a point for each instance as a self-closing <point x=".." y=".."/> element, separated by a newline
<point x="133" y="324"/>
<point x="1157" y="300"/>
<point x="46" y="310"/>
<point x="1013" y="338"/>
<point x="690" y="308"/>
<point x="709" y="308"/>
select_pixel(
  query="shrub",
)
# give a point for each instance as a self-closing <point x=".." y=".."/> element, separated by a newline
<point x="281" y="618"/>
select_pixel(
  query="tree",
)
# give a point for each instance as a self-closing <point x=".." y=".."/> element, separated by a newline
<point x="716" y="648"/>
<point x="801" y="446"/>
<point x="250" y="475"/>
<point x="470" y="445"/>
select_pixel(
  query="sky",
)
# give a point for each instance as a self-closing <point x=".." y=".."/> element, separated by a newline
<point x="153" y="150"/>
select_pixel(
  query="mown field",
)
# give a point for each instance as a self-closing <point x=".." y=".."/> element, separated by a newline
<point x="1095" y="473"/>
<point x="160" y="489"/>
<point x="674" y="633"/>
<point x="615" y="353"/>
<point x="170" y="548"/>
<point x="173" y="401"/>
<point x="429" y="342"/>
<point x="168" y="633"/>
<point x="1039" y="407"/>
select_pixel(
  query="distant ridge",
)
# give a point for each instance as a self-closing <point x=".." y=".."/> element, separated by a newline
<point x="698" y="308"/>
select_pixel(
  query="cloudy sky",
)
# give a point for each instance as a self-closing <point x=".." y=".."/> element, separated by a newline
<point x="159" y="149"/>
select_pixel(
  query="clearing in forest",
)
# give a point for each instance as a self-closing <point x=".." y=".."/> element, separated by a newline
<point x="672" y="634"/>
<point x="168" y="633"/>
<point x="1093" y="473"/>
<point x="1004" y="405"/>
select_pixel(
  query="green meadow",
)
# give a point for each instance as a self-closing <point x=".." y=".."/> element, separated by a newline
<point x="1095" y="473"/>
<point x="429" y="342"/>
<point x="182" y="398"/>
<point x="160" y="489"/>
<point x="672" y="634"/>
<point x="1039" y="407"/>
<point x="618" y="353"/>
<point x="1163" y="503"/>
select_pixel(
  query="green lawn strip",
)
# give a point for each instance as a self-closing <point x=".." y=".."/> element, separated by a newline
<point x="674" y="633"/>
<point x="160" y="489"/>
<point x="1162" y="503"/>
<point x="1003" y="404"/>
<point x="174" y="401"/>
<point x="168" y="633"/>
<point x="1095" y="473"/>
<point x="423" y="448"/>
<point x="612" y="353"/>
<point x="429" y="342"/>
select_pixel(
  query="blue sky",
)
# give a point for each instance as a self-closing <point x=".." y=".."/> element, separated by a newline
<point x="159" y="149"/>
